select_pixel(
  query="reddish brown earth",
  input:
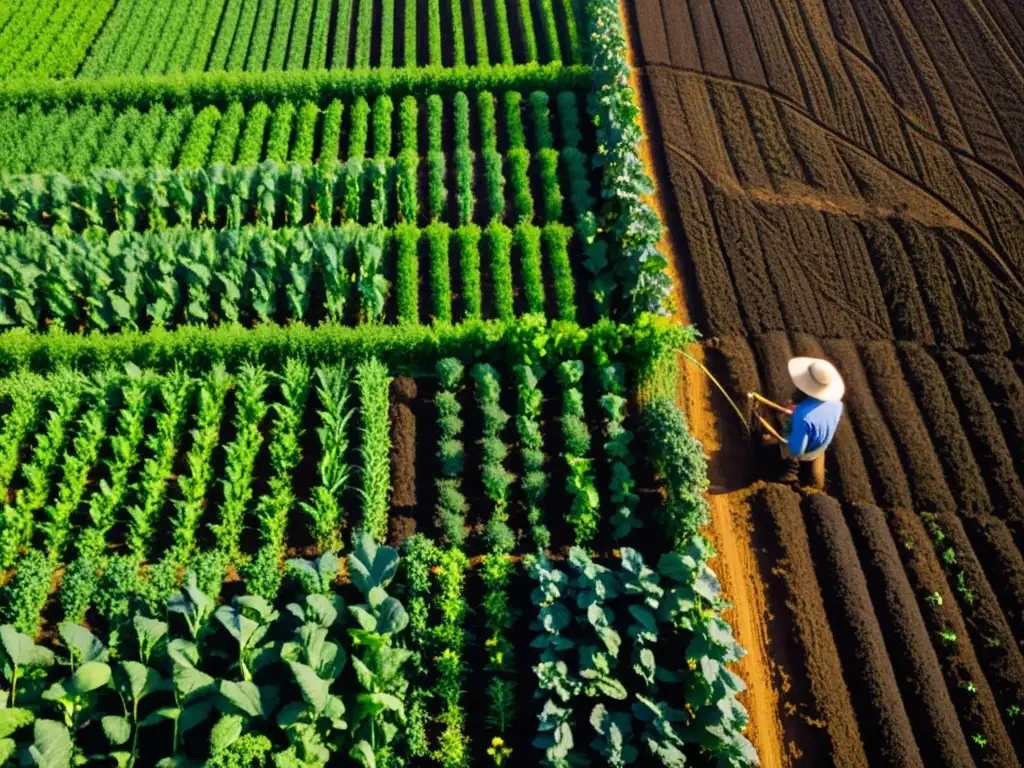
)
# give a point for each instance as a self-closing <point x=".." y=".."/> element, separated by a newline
<point x="843" y="178"/>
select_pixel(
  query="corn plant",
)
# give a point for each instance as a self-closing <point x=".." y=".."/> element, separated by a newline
<point x="18" y="518"/>
<point x="77" y="465"/>
<point x="162" y="446"/>
<point x="374" y="383"/>
<point x="28" y="394"/>
<point x="285" y="455"/>
<point x="195" y="483"/>
<point x="584" y="515"/>
<point x="325" y="507"/>
<point x="251" y="386"/>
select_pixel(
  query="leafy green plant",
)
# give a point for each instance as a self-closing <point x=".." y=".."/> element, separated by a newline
<point x="194" y="485"/>
<point x="679" y="458"/>
<point x="285" y="454"/>
<point x="372" y="285"/>
<point x="18" y="519"/>
<point x="325" y="509"/>
<point x="375" y="449"/>
<point x="451" y="503"/>
<point x="438" y="239"/>
<point x="581" y="483"/>
<point x="379" y="709"/>
<point x="497" y="480"/>
<point x="159" y="466"/>
<point x="251" y="386"/>
<point x="529" y="400"/>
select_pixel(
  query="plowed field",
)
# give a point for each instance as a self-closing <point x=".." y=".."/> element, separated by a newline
<point x="843" y="178"/>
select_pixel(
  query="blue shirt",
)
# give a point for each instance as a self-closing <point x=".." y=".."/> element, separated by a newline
<point x="814" y="425"/>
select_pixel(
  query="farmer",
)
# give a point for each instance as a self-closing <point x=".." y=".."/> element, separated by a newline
<point x="812" y="419"/>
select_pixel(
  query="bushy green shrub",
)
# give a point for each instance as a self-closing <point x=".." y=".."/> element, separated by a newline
<point x="499" y="246"/>
<point x="468" y="238"/>
<point x="679" y="458"/>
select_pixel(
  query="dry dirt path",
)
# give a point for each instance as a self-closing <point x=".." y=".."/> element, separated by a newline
<point x="736" y="564"/>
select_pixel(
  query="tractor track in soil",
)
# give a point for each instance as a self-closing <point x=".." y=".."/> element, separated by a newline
<point x="729" y="530"/>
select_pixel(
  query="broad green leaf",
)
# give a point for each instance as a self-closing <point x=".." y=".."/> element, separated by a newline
<point x="22" y="651"/>
<point x="392" y="617"/>
<point x="363" y="752"/>
<point x="88" y="677"/>
<point x="84" y="642"/>
<point x="117" y="729"/>
<point x="52" y="745"/>
<point x="137" y="679"/>
<point x="158" y="716"/>
<point x="7" y="747"/>
<point x="226" y="732"/>
<point x="314" y="690"/>
<point x="12" y="719"/>
<point x="244" y="695"/>
<point x="364" y="674"/>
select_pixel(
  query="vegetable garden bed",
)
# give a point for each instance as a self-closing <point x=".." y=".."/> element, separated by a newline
<point x="337" y="409"/>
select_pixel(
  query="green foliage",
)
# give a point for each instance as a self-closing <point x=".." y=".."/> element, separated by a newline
<point x="529" y="400"/>
<point x="325" y="510"/>
<point x="251" y="407"/>
<point x="645" y="616"/>
<point x="438" y="237"/>
<point x="451" y="504"/>
<point x="619" y="453"/>
<point x="162" y="447"/>
<point x="556" y="239"/>
<point x="285" y="454"/>
<point x="383" y="110"/>
<point x="497" y="480"/>
<point x="679" y="459"/>
<point x="374" y="383"/>
<point x="408" y="273"/>
<point x="195" y="484"/>
<point x="499" y="617"/>
<point x="279" y="138"/>
<point x="629" y="271"/>
<point x="518" y="161"/>
<point x="499" y="241"/>
<point x="468" y="239"/>
<point x="305" y="133"/>
<point x="551" y="186"/>
<point x="584" y="516"/>
<point x="24" y="598"/>
<point x="527" y="239"/>
<point x="197" y="146"/>
<point x="379" y="709"/>
<point x="17" y="522"/>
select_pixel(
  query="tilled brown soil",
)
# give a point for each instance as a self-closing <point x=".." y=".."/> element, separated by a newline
<point x="844" y="179"/>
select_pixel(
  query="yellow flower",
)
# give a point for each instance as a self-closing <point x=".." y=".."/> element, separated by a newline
<point x="491" y="641"/>
<point x="498" y="751"/>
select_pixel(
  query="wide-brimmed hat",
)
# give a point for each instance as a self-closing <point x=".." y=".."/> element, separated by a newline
<point x="817" y="378"/>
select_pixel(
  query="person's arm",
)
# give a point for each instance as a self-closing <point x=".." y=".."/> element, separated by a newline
<point x="798" y="437"/>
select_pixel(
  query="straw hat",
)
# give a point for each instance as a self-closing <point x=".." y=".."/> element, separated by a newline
<point x="817" y="378"/>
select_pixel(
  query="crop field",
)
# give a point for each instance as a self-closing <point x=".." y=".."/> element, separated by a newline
<point x="843" y="180"/>
<point x="339" y="420"/>
<point x="100" y="38"/>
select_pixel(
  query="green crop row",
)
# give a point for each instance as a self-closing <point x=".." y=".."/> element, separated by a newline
<point x="48" y="38"/>
<point x="222" y="88"/>
<point x="378" y="192"/>
<point x="85" y="137"/>
<point x="251" y="275"/>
